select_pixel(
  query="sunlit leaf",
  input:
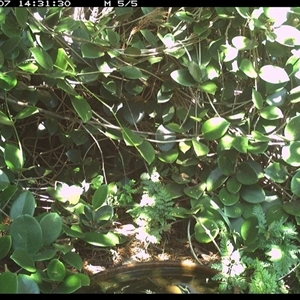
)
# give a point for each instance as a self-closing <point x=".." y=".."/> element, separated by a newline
<point x="42" y="58"/>
<point x="131" y="72"/>
<point x="214" y="128"/>
<point x="13" y="157"/>
<point x="82" y="108"/>
<point x="273" y="74"/>
<point x="287" y="35"/>
<point x="183" y="77"/>
<point x="243" y="43"/>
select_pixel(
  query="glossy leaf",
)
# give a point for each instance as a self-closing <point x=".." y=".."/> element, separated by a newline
<point x="206" y="230"/>
<point x="215" y="179"/>
<point x="24" y="260"/>
<point x="246" y="174"/>
<point x="67" y="24"/>
<point x="8" y="283"/>
<point x="247" y="67"/>
<point x="183" y="77"/>
<point x="228" y="198"/>
<point x="257" y="99"/>
<point x="56" y="270"/>
<point x="243" y="43"/>
<point x="195" y="191"/>
<point x="101" y="240"/>
<point x="100" y="196"/>
<point x="271" y="113"/>
<point x="277" y="172"/>
<point x="249" y="230"/>
<point x="131" y="138"/>
<point x="195" y="71"/>
<point x="292" y="129"/>
<point x="199" y="148"/>
<point x="51" y="225"/>
<point x="291" y="153"/>
<point x="252" y="193"/>
<point x="234" y="211"/>
<point x="278" y="98"/>
<point x="27" y="285"/>
<point x="73" y="259"/>
<point x="21" y="16"/>
<point x="147" y="151"/>
<point x="90" y="50"/>
<point x="69" y="285"/>
<point x="24" y="204"/>
<point x="208" y="87"/>
<point x="5" y="245"/>
<point x="287" y="35"/>
<point x="165" y="138"/>
<point x="82" y="107"/>
<point x="131" y="72"/>
<point x="233" y="185"/>
<point x="225" y="164"/>
<point x="292" y="208"/>
<point x="42" y="57"/>
<point x="4" y="181"/>
<point x="214" y="128"/>
<point x="295" y="184"/>
<point x="26" y="234"/>
<point x="8" y="81"/>
<point x="168" y="156"/>
<point x="273" y="74"/>
<point x="26" y="112"/>
<point x="5" y="120"/>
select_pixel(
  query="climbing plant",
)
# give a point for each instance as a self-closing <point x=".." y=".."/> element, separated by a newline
<point x="91" y="98"/>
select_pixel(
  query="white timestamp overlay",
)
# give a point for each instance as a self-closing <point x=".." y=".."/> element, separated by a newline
<point x="65" y="3"/>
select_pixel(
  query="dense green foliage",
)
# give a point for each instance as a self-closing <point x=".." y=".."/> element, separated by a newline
<point x="95" y="103"/>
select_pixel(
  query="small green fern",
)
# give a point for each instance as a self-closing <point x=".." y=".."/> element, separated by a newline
<point x="263" y="271"/>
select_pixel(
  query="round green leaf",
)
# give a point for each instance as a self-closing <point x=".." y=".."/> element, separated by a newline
<point x="275" y="213"/>
<point x="168" y="156"/>
<point x="292" y="129"/>
<point x="233" y="211"/>
<point x="278" y="98"/>
<point x="228" y="52"/>
<point x="5" y="244"/>
<point x="24" y="260"/>
<point x="249" y="230"/>
<point x="4" y="181"/>
<point x="295" y="184"/>
<point x="199" y="148"/>
<point x="292" y="208"/>
<point x="240" y="143"/>
<point x="228" y="198"/>
<point x="101" y="240"/>
<point x="131" y="72"/>
<point x="243" y="43"/>
<point x="133" y="112"/>
<point x="165" y="137"/>
<point x="13" y="157"/>
<point x="225" y="164"/>
<point x="195" y="71"/>
<point x="73" y="259"/>
<point x="23" y="204"/>
<point x="291" y="153"/>
<point x="26" y="234"/>
<point x="7" y="81"/>
<point x="56" y="270"/>
<point x="252" y="193"/>
<point x="246" y="174"/>
<point x="195" y="191"/>
<point x="82" y="108"/>
<point x="131" y="138"/>
<point x="8" y="283"/>
<point x="181" y="178"/>
<point x="89" y="50"/>
<point x="233" y="185"/>
<point x="147" y="152"/>
<point x="183" y="77"/>
<point x="51" y="225"/>
<point x="27" y="285"/>
<point x="273" y="74"/>
<point x="70" y="284"/>
<point x="287" y="35"/>
<point x="277" y="172"/>
<point x="206" y="230"/>
<point x="214" y="128"/>
<point x="247" y="67"/>
<point x="271" y="113"/>
<point x="215" y="179"/>
<point x="208" y="87"/>
<point x="257" y="99"/>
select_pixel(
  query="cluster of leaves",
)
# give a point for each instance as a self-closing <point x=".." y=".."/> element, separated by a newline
<point x="209" y="96"/>
<point x="263" y="268"/>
